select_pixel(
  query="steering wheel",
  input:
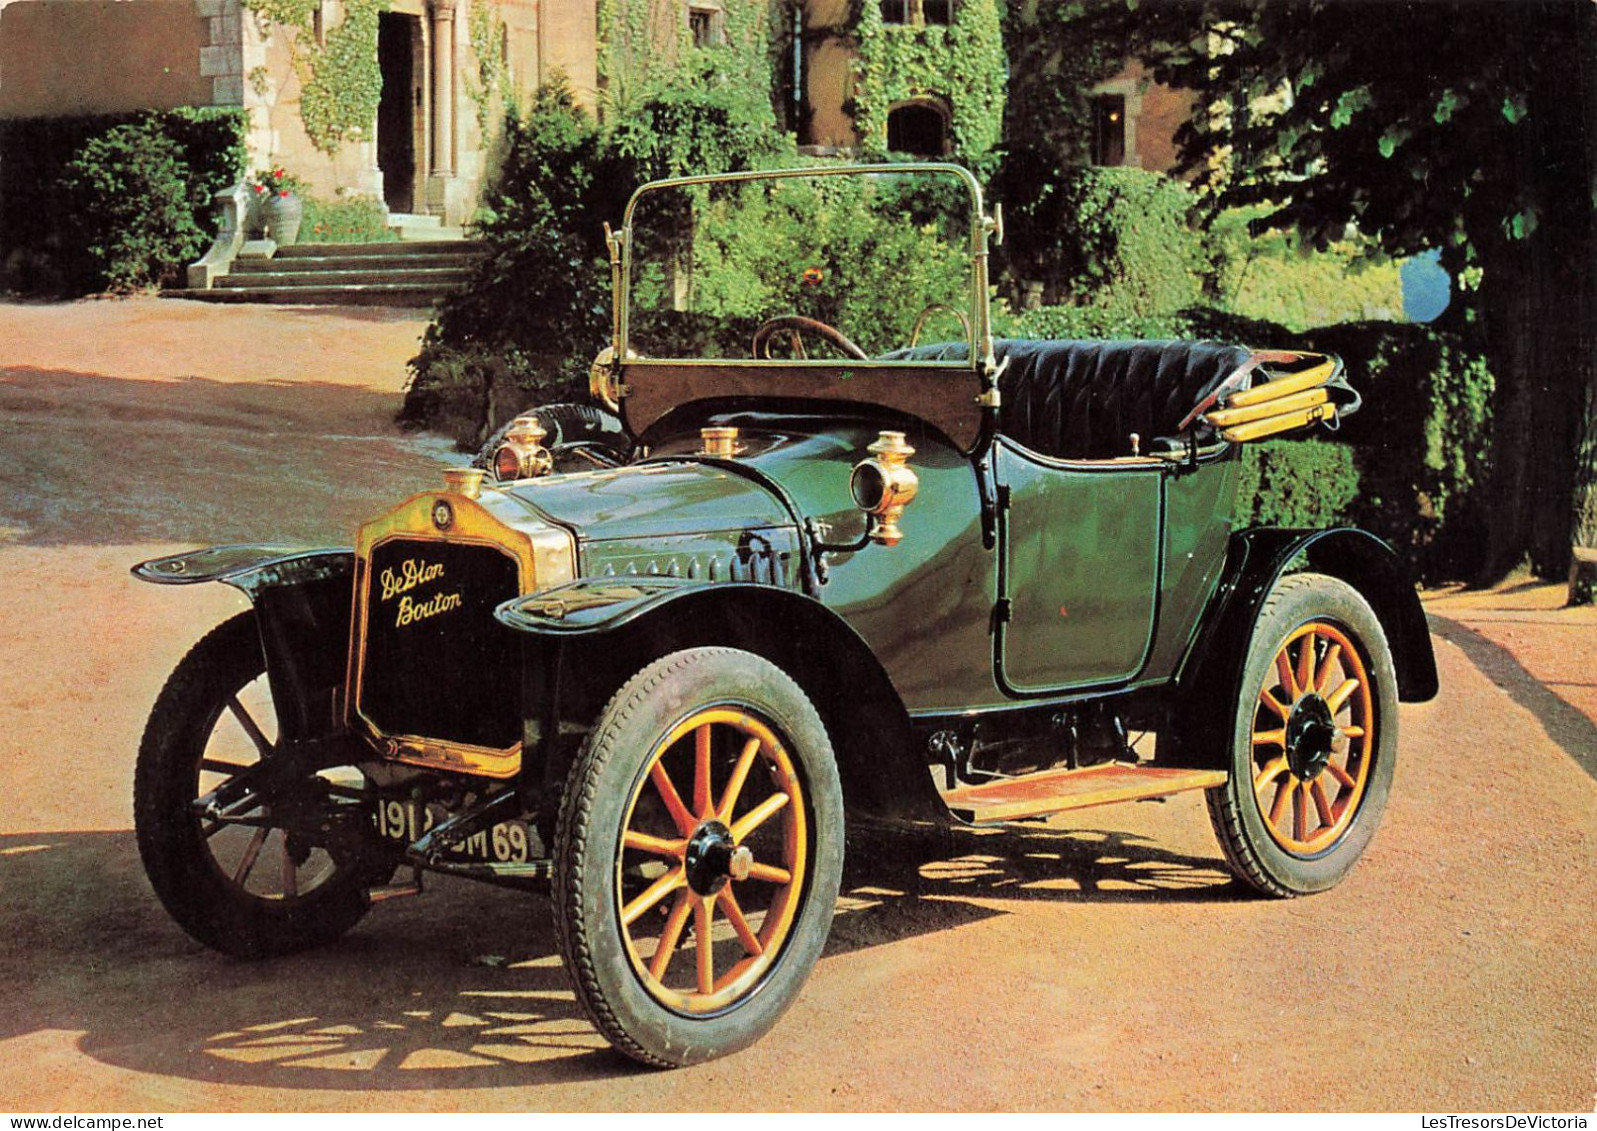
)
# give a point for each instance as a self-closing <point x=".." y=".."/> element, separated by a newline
<point x="795" y="325"/>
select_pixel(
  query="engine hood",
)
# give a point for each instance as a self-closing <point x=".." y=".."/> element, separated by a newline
<point x="662" y="498"/>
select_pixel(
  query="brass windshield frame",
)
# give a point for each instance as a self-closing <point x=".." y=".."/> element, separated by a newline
<point x="980" y="341"/>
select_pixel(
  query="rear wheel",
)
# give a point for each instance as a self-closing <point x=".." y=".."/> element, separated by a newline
<point x="698" y="856"/>
<point x="248" y="883"/>
<point x="1314" y="740"/>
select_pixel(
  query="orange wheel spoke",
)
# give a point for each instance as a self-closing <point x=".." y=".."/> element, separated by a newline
<point x="1274" y="704"/>
<point x="1332" y="655"/>
<point x="671" y="934"/>
<point x="757" y="816"/>
<point x="705" y="952"/>
<point x="685" y="821"/>
<point x="1283" y="672"/>
<point x="1322" y="803"/>
<point x="1340" y="774"/>
<point x="740" y="774"/>
<point x="770" y="873"/>
<point x="257" y="736"/>
<point x="1351" y="732"/>
<point x="734" y="915"/>
<point x="1271" y="771"/>
<point x="1305" y="673"/>
<point x="1270" y="738"/>
<point x="1300" y="814"/>
<point x="1338" y="698"/>
<point x="702" y="805"/>
<point x="1283" y="795"/>
<point x="656" y="845"/>
<point x="653" y="894"/>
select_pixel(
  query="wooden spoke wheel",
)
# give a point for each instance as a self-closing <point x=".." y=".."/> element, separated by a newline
<point x="698" y="856"/>
<point x="244" y="878"/>
<point x="1314" y="740"/>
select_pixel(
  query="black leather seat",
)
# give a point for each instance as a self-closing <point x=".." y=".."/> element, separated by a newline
<point x="1084" y="399"/>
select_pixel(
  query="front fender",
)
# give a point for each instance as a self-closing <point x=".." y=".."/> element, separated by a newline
<point x="302" y="601"/>
<point x="609" y="628"/>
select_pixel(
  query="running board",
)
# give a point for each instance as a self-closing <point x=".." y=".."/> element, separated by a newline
<point x="1055" y="791"/>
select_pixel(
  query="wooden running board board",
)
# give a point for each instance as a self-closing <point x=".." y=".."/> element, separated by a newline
<point x="1054" y="791"/>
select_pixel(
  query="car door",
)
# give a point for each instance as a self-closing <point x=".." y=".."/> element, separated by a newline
<point x="1080" y="548"/>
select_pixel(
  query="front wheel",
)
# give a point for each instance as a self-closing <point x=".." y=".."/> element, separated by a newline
<point x="1313" y="743"/>
<point x="251" y="879"/>
<point x="698" y="856"/>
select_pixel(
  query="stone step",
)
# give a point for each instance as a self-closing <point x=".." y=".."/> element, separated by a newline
<point x="362" y="294"/>
<point x="373" y="263"/>
<point x="351" y="272"/>
<point x="387" y="247"/>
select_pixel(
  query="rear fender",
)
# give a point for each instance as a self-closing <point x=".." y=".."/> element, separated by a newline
<point x="607" y="629"/>
<point x="1207" y="684"/>
<point x="302" y="601"/>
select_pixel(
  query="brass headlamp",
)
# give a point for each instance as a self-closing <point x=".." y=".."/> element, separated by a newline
<point x="884" y="485"/>
<point x="522" y="455"/>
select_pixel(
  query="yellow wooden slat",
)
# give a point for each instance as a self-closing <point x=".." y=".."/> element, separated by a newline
<point x="1283" y="386"/>
<point x="1229" y="417"/>
<point x="1274" y="425"/>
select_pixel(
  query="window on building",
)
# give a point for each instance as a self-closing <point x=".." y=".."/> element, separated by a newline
<point x="919" y="128"/>
<point x="1109" y="129"/>
<point x="705" y="26"/>
<point x="938" y="11"/>
<point x="895" y="11"/>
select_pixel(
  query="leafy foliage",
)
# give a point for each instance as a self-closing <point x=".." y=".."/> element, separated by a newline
<point x="692" y="128"/>
<point x="962" y="62"/>
<point x="537" y="308"/>
<point x="356" y="219"/>
<point x="46" y="244"/>
<point x="1482" y="151"/>
<point x="341" y="80"/>
<point x="129" y="206"/>
<point x="1116" y="238"/>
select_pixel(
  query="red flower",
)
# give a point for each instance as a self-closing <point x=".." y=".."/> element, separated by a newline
<point x="260" y="188"/>
<point x="284" y="192"/>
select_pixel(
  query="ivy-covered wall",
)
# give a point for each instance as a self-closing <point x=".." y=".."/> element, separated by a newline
<point x="645" y="46"/>
<point x="961" y="64"/>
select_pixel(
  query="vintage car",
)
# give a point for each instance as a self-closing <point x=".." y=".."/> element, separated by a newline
<point x="656" y="658"/>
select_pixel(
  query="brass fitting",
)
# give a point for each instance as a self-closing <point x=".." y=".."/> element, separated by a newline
<point x="466" y="481"/>
<point x="522" y="455"/>
<point x="719" y="442"/>
<point x="884" y="485"/>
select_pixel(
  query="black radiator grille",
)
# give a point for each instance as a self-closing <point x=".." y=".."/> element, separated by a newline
<point x="437" y="664"/>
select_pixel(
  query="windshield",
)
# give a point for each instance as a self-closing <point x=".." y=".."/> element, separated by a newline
<point x="825" y="265"/>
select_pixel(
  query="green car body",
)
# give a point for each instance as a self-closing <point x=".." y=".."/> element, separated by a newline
<point x="954" y="577"/>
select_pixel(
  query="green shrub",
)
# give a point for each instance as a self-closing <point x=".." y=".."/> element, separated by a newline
<point x="537" y="308"/>
<point x="1309" y="483"/>
<point x="42" y="238"/>
<point x="696" y="127"/>
<point x="1275" y="275"/>
<point x="355" y="219"/>
<point x="130" y="217"/>
<point x="1118" y="239"/>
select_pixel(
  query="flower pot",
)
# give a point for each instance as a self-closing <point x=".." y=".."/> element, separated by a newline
<point x="281" y="214"/>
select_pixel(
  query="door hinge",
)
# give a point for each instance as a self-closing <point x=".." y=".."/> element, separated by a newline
<point x="1003" y="496"/>
<point x="1003" y="610"/>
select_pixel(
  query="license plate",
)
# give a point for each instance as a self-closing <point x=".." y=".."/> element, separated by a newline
<point x="508" y="842"/>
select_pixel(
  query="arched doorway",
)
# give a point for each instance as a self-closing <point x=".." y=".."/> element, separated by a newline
<point x="919" y="128"/>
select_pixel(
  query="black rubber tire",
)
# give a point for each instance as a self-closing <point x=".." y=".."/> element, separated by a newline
<point x="569" y="426"/>
<point x="607" y="774"/>
<point x="193" y="886"/>
<point x="1251" y="852"/>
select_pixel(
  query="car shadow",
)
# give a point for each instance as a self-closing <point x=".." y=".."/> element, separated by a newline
<point x="462" y="987"/>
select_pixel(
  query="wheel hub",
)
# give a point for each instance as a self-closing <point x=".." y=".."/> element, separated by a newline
<point x="713" y="857"/>
<point x="1309" y="733"/>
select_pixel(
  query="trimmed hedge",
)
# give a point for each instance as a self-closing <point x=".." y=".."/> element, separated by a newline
<point x="45" y="233"/>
